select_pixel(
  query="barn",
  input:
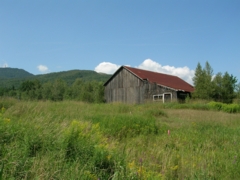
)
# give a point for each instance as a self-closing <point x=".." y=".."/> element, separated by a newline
<point x="133" y="85"/>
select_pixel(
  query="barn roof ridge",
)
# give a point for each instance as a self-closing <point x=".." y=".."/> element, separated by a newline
<point x="166" y="80"/>
<point x="129" y="68"/>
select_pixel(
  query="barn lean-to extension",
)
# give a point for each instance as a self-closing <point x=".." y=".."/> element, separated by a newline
<point x="132" y="85"/>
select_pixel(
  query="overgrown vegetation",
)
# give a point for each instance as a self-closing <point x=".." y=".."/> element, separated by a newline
<point x="77" y="140"/>
<point x="212" y="105"/>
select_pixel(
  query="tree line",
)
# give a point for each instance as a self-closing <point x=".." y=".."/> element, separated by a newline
<point x="221" y="87"/>
<point x="208" y="86"/>
<point x="87" y="91"/>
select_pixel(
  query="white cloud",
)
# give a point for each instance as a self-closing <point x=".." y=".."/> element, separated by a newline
<point x="4" y="65"/>
<point x="106" y="67"/>
<point x="183" y="72"/>
<point x="43" y="69"/>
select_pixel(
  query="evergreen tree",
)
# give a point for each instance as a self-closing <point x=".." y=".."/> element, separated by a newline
<point x="217" y="87"/>
<point x="198" y="80"/>
<point x="224" y="87"/>
<point x="202" y="81"/>
<point x="238" y="92"/>
<point x="208" y="74"/>
<point x="229" y="84"/>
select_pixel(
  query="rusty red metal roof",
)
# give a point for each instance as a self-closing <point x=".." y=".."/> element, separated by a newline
<point x="166" y="80"/>
<point x="161" y="79"/>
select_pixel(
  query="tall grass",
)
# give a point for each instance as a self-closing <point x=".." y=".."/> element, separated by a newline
<point x="75" y="140"/>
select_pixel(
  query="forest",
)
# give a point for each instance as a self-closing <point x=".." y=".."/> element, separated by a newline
<point x="58" y="90"/>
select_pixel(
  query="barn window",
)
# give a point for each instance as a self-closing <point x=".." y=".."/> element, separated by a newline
<point x="165" y="97"/>
<point x="157" y="97"/>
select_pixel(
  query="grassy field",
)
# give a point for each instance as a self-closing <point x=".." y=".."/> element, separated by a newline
<point x="75" y="140"/>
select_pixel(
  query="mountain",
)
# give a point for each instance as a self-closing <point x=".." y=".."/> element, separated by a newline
<point x="72" y="75"/>
<point x="14" y="73"/>
<point x="13" y="77"/>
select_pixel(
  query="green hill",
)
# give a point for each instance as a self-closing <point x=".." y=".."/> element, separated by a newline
<point x="13" y="77"/>
<point x="14" y="73"/>
<point x="72" y="75"/>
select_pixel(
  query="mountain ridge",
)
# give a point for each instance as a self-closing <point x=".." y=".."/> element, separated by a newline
<point x="13" y="77"/>
<point x="7" y="72"/>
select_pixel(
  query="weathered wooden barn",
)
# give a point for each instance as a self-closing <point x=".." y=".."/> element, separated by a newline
<point x="132" y="85"/>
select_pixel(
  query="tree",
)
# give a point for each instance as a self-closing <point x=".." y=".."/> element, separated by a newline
<point x="47" y="91"/>
<point x="208" y="89"/>
<point x="198" y="80"/>
<point x="224" y="87"/>
<point x="229" y="84"/>
<point x="58" y="89"/>
<point x="237" y="89"/>
<point x="77" y="89"/>
<point x="31" y="89"/>
<point x="217" y="87"/>
<point x="26" y="86"/>
<point x="88" y="92"/>
<point x="202" y="81"/>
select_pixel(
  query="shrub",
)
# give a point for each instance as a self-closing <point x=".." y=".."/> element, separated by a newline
<point x="231" y="108"/>
<point x="215" y="105"/>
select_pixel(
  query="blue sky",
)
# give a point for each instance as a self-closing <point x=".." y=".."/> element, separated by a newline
<point x="169" y="36"/>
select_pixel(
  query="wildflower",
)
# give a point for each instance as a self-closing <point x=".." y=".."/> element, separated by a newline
<point x="168" y="132"/>
<point x="109" y="157"/>
<point x="131" y="165"/>
<point x="7" y="120"/>
<point x="174" y="168"/>
<point x="3" y="110"/>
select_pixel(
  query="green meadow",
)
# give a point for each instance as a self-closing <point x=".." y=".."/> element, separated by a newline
<point x="75" y="140"/>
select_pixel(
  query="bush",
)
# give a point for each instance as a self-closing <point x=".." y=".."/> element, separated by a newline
<point x="231" y="108"/>
<point x="215" y="105"/>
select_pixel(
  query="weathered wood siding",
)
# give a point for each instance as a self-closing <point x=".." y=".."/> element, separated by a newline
<point x="128" y="88"/>
<point x="125" y="87"/>
<point x="154" y="89"/>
